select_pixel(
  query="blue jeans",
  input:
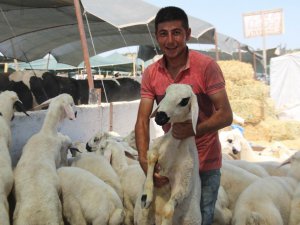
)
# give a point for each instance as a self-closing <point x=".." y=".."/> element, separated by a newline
<point x="210" y="182"/>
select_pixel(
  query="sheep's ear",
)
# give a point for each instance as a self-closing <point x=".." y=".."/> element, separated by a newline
<point x="194" y="112"/>
<point x="18" y="105"/>
<point x="42" y="105"/>
<point x="154" y="112"/>
<point x="287" y="161"/>
<point x="69" y="111"/>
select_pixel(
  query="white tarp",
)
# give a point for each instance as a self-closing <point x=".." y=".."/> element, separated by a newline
<point x="284" y="85"/>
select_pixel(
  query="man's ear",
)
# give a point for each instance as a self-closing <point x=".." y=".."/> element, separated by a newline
<point x="188" y="34"/>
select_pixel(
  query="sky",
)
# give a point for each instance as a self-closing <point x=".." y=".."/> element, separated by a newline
<point x="227" y="17"/>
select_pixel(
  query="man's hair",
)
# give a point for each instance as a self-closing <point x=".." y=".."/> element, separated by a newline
<point x="171" y="13"/>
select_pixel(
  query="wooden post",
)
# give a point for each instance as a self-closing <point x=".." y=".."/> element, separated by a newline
<point x="84" y="45"/>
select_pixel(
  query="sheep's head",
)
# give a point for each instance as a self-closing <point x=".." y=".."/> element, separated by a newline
<point x="178" y="105"/>
<point x="10" y="102"/>
<point x="294" y="160"/>
<point x="62" y="104"/>
<point x="231" y="141"/>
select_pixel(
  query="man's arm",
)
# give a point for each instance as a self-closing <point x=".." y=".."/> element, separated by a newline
<point x="142" y="130"/>
<point x="221" y="118"/>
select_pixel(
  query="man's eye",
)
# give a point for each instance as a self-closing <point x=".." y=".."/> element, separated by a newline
<point x="184" y="101"/>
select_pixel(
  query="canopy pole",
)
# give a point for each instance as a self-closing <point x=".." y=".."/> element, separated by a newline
<point x="84" y="47"/>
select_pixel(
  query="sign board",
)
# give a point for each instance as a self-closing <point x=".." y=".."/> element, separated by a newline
<point x="263" y="23"/>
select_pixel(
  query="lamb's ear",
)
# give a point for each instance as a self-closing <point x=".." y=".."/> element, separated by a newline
<point x="154" y="112"/>
<point x="43" y="104"/>
<point x="18" y="105"/>
<point x="194" y="111"/>
<point x="287" y="161"/>
<point x="69" y="111"/>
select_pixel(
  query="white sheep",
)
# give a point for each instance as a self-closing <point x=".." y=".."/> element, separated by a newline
<point x="36" y="181"/>
<point x="269" y="200"/>
<point x="250" y="167"/>
<point x="294" y="162"/>
<point x="101" y="168"/>
<point x="101" y="137"/>
<point x="8" y="101"/>
<point x="234" y="143"/>
<point x="86" y="199"/>
<point x="178" y="160"/>
<point x="266" y="201"/>
<point x="233" y="181"/>
<point x="131" y="176"/>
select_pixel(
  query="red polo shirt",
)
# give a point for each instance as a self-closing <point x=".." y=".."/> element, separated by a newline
<point x="206" y="78"/>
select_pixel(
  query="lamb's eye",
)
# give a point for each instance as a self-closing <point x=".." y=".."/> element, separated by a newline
<point x="184" y="101"/>
<point x="230" y="141"/>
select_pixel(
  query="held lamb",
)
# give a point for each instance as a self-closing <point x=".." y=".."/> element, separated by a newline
<point x="36" y="180"/>
<point x="9" y="102"/>
<point x="179" y="202"/>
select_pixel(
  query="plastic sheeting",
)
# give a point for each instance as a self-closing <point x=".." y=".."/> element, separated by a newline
<point x="284" y="85"/>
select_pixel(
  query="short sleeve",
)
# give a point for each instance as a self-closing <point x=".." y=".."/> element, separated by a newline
<point x="146" y="89"/>
<point x="214" y="78"/>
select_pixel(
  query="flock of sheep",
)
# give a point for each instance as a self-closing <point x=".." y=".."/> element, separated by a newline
<point x="60" y="181"/>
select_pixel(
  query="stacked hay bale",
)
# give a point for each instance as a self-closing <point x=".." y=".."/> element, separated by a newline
<point x="250" y="99"/>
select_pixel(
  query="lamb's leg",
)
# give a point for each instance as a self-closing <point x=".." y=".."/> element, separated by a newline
<point x="181" y="187"/>
<point x="147" y="195"/>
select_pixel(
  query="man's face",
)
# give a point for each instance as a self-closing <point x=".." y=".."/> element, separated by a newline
<point x="172" y="37"/>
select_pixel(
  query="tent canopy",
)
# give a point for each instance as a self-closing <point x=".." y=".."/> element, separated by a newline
<point x="42" y="64"/>
<point x="35" y="28"/>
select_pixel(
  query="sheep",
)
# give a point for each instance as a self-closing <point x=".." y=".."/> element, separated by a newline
<point x="36" y="181"/>
<point x="233" y="181"/>
<point x="250" y="167"/>
<point x="178" y="202"/>
<point x="86" y="199"/>
<point x="101" y="137"/>
<point x="9" y="101"/>
<point x="271" y="200"/>
<point x="273" y="168"/>
<point x="266" y="201"/>
<point x="233" y="143"/>
<point x="294" y="162"/>
<point x="132" y="176"/>
<point x="101" y="168"/>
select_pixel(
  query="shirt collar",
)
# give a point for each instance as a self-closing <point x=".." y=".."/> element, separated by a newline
<point x="162" y="61"/>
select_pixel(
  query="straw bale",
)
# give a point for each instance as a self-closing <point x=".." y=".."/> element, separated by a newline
<point x="273" y="130"/>
<point x="249" y="109"/>
<point x="251" y="90"/>
<point x="236" y="71"/>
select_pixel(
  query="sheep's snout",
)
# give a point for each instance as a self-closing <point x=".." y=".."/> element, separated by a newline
<point x="88" y="148"/>
<point x="161" y="118"/>
<point x="235" y="151"/>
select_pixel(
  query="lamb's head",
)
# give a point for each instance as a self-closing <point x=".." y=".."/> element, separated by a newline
<point x="294" y="160"/>
<point x="9" y="103"/>
<point x="231" y="141"/>
<point x="98" y="141"/>
<point x="63" y="105"/>
<point x="178" y="105"/>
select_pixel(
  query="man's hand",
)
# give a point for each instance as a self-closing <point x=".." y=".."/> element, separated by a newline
<point x="183" y="130"/>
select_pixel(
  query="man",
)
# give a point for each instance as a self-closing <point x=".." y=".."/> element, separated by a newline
<point x="181" y="65"/>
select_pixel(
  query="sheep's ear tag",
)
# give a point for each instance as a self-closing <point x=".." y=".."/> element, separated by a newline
<point x="69" y="112"/>
<point x="194" y="112"/>
<point x="154" y="112"/>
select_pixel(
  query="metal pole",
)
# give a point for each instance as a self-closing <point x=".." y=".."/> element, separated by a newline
<point x="216" y="46"/>
<point x="84" y="47"/>
<point x="264" y="45"/>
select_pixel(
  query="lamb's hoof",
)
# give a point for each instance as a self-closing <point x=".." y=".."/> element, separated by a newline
<point x="145" y="203"/>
